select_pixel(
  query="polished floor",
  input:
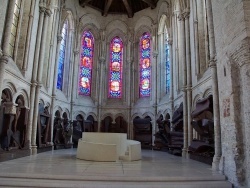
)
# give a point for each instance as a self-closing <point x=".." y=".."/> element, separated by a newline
<point x="60" y="168"/>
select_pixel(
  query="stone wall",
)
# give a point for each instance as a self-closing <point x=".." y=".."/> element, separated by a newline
<point x="231" y="21"/>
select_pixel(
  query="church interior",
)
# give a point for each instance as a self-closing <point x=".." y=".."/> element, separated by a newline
<point x="173" y="75"/>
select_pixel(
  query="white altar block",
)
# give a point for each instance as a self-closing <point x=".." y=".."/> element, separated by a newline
<point x="107" y="147"/>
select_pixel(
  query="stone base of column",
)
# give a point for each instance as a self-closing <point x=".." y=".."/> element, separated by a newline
<point x="216" y="163"/>
<point x="33" y="150"/>
<point x="27" y="145"/>
<point x="184" y="153"/>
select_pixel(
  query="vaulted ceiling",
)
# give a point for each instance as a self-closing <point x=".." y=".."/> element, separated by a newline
<point x="128" y="7"/>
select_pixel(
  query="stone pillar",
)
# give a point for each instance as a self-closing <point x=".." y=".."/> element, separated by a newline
<point x="189" y="77"/>
<point x="54" y="84"/>
<point x="34" y="80"/>
<point x="171" y="92"/>
<point x="4" y="58"/>
<point x="245" y="83"/>
<point x="7" y="28"/>
<point x="153" y="132"/>
<point x="101" y="69"/>
<point x="216" y="107"/>
<point x="160" y="66"/>
<point x="128" y="93"/>
<point x="46" y="14"/>
<point x="74" y="89"/>
<point x="182" y="56"/>
<point x="196" y="37"/>
<point x="28" y="39"/>
<point x="57" y="32"/>
<point x="216" y="112"/>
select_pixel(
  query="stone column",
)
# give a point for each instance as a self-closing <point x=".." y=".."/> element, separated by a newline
<point x="216" y="107"/>
<point x="196" y="46"/>
<point x="154" y="62"/>
<point x="34" y="78"/>
<point x="245" y="83"/>
<point x="189" y="77"/>
<point x="54" y="84"/>
<point x="128" y="93"/>
<point x="182" y="56"/>
<point x="74" y="89"/>
<point x="155" y="55"/>
<point x="28" y="39"/>
<point x="57" y="32"/>
<point x="4" y="58"/>
<point x="101" y="69"/>
<point x="153" y="132"/>
<point x="171" y="93"/>
<point x="47" y="13"/>
<point x="160" y="66"/>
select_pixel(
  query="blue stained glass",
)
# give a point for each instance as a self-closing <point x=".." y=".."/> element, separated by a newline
<point x="86" y="63"/>
<point x="145" y="66"/>
<point x="115" y="76"/>
<point x="61" y="58"/>
<point x="168" y="76"/>
<point x="115" y="68"/>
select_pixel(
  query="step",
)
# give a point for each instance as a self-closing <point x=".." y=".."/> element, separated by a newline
<point x="36" y="180"/>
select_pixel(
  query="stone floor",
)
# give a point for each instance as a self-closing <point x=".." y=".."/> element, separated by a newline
<point x="60" y="168"/>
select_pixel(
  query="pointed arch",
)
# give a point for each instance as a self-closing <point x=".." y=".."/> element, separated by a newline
<point x="164" y="48"/>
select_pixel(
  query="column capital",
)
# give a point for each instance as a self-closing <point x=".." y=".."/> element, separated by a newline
<point x="129" y="62"/>
<point x="212" y="63"/>
<point x="42" y="7"/>
<point x="76" y="52"/>
<point x="180" y="17"/>
<point x="4" y="59"/>
<point x="59" y="38"/>
<point x="155" y="54"/>
<point x="48" y="12"/>
<point x="170" y="41"/>
<point x="186" y="14"/>
<point x="101" y="59"/>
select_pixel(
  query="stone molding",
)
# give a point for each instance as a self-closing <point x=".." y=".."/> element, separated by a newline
<point x="241" y="55"/>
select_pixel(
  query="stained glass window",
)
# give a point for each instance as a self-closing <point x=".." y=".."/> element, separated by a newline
<point x="86" y="64"/>
<point x="145" y="65"/>
<point x="115" y="68"/>
<point x="167" y="69"/>
<point x="61" y="59"/>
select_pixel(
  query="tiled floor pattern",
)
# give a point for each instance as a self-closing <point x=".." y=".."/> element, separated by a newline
<point x="60" y="168"/>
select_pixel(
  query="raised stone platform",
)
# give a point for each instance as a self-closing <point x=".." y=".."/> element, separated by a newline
<point x="60" y="168"/>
